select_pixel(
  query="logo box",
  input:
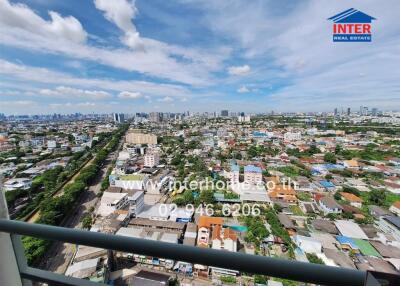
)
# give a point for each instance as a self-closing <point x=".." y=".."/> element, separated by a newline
<point x="352" y="26"/>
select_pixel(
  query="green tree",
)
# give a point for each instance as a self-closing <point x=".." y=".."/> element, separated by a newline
<point x="330" y="158"/>
<point x="314" y="258"/>
<point x="86" y="221"/>
<point x="206" y="197"/>
<point x="377" y="197"/>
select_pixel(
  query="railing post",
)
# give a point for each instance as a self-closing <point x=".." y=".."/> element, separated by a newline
<point x="9" y="264"/>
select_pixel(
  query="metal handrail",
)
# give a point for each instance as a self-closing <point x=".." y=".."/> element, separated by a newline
<point x="275" y="267"/>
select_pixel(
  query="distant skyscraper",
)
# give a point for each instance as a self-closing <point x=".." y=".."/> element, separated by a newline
<point x="374" y="111"/>
<point x="224" y="113"/>
<point x="348" y="111"/>
<point x="118" y="117"/>
<point x="335" y="111"/>
<point x="155" y="117"/>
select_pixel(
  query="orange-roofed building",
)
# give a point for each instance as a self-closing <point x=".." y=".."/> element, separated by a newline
<point x="351" y="164"/>
<point x="283" y="193"/>
<point x="209" y="221"/>
<point x="224" y="239"/>
<point x="206" y="225"/>
<point x="352" y="199"/>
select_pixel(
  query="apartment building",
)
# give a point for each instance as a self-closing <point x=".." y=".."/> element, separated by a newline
<point x="233" y="175"/>
<point x="252" y="175"/>
<point x="151" y="160"/>
<point x="134" y="137"/>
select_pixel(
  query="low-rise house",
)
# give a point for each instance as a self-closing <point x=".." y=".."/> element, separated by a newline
<point x="153" y="235"/>
<point x="350" y="229"/>
<point x="17" y="183"/>
<point x="287" y="223"/>
<point x="328" y="186"/>
<point x="190" y="234"/>
<point x="339" y="258"/>
<point x="308" y="244"/>
<point x="280" y="192"/>
<point x="395" y="208"/>
<point x="347" y="243"/>
<point x="377" y="211"/>
<point x="224" y="239"/>
<point x="205" y="227"/>
<point x="392" y="186"/>
<point x="91" y="269"/>
<point x="390" y="225"/>
<point x="352" y="199"/>
<point x="351" y="164"/>
<point x="328" y="205"/>
<point x="110" y="202"/>
<point x="327" y="240"/>
<point x="157" y="225"/>
<point x="355" y="183"/>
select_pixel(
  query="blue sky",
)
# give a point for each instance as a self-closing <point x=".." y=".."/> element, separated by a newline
<point x="253" y="56"/>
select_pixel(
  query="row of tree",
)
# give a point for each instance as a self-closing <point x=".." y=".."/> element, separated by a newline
<point x="54" y="209"/>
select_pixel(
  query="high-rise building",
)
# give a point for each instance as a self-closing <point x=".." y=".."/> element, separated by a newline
<point x="118" y="117"/>
<point x="374" y="111"/>
<point x="224" y="113"/>
<point x="244" y="118"/>
<point x="348" y="111"/>
<point x="363" y="110"/>
<point x="155" y="117"/>
<point x="335" y="111"/>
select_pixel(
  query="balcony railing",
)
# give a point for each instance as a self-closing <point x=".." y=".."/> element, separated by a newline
<point x="14" y="270"/>
<point x="293" y="270"/>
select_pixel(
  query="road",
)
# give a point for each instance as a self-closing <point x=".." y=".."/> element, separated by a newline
<point x="59" y="255"/>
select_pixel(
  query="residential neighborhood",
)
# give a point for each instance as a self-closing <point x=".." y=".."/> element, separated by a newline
<point x="297" y="187"/>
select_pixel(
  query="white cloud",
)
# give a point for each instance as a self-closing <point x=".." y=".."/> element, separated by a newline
<point x="23" y="28"/>
<point x="243" y="89"/>
<point x="121" y="13"/>
<point x="59" y="28"/>
<point x="166" y="99"/>
<point x="67" y="92"/>
<point x="86" y="104"/>
<point x="17" y="102"/>
<point x="239" y="70"/>
<point x="24" y="74"/>
<point x="296" y="40"/>
<point x="59" y="106"/>
<point x="130" y="95"/>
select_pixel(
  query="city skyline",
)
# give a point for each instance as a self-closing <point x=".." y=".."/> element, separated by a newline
<point x="93" y="57"/>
